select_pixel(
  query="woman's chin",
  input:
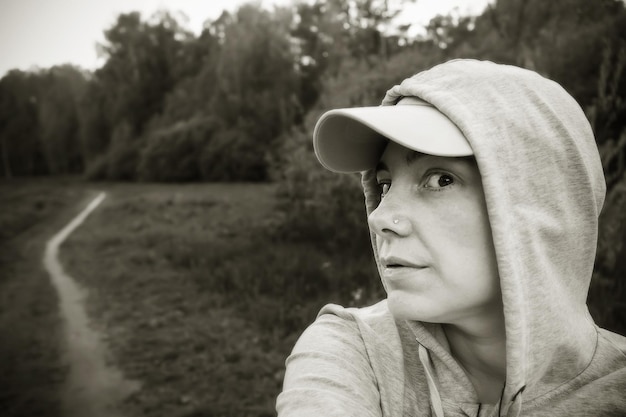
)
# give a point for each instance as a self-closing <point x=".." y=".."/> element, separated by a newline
<point x="404" y="307"/>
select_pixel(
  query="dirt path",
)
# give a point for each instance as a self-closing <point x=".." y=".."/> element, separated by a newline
<point x="93" y="387"/>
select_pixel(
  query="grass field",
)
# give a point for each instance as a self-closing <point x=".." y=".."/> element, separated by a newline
<point x="199" y="297"/>
<point x="196" y="291"/>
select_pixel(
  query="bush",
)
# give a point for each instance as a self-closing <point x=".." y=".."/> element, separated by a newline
<point x="319" y="205"/>
<point x="120" y="160"/>
<point x="232" y="155"/>
<point x="173" y="154"/>
<point x="608" y="286"/>
<point x="96" y="169"/>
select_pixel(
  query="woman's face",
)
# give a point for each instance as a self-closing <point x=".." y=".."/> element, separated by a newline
<point x="433" y="238"/>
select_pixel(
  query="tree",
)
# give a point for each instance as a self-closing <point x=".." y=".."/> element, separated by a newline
<point x="141" y="68"/>
<point x="62" y="87"/>
<point x="257" y="94"/>
<point x="19" y="134"/>
<point x="95" y="124"/>
<point x="144" y="61"/>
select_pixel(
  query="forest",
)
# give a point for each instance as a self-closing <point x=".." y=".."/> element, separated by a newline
<point x="238" y="102"/>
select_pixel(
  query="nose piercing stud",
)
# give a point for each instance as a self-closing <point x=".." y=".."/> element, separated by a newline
<point x="396" y="221"/>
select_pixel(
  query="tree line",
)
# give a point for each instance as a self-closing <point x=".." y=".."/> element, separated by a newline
<point x="170" y="106"/>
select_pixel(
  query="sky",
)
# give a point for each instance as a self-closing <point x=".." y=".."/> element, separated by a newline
<point x="43" y="33"/>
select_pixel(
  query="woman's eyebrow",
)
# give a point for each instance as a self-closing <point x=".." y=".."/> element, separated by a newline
<point x="412" y="156"/>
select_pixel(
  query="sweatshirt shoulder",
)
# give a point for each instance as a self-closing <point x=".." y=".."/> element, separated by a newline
<point x="611" y="353"/>
<point x="615" y="342"/>
<point x="375" y="315"/>
<point x="600" y="388"/>
<point x="341" y="366"/>
<point x="337" y="328"/>
<point x="374" y="324"/>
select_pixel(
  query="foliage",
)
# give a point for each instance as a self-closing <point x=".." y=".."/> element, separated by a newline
<point x="39" y="122"/>
<point x="19" y="136"/>
<point x="174" y="154"/>
<point x="261" y="72"/>
<point x="120" y="160"/>
<point x="317" y="203"/>
<point x="139" y="71"/>
<point x="562" y="39"/>
<point x="95" y="125"/>
<point x="608" y="286"/>
<point x="608" y="112"/>
<point x="233" y="155"/>
<point x="257" y="72"/>
<point x="122" y="156"/>
<point x="58" y="119"/>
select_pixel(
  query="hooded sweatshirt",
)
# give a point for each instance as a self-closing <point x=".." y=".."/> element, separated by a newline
<point x="544" y="189"/>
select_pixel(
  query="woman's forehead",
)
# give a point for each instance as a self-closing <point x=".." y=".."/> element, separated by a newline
<point x="412" y="157"/>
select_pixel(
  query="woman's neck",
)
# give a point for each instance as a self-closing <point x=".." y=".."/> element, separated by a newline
<point x="480" y="348"/>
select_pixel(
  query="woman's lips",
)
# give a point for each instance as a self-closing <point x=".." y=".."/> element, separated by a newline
<point x="396" y="262"/>
<point x="397" y="272"/>
<point x="397" y="268"/>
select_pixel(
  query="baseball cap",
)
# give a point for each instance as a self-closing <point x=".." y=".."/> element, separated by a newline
<point x="353" y="139"/>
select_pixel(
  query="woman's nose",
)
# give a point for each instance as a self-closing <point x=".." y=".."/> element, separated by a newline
<point x="388" y="218"/>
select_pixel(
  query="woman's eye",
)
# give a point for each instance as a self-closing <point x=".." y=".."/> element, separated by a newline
<point x="439" y="180"/>
<point x="384" y="189"/>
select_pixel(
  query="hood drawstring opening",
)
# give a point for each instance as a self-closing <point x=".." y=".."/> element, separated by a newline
<point x="513" y="409"/>
<point x="435" y="398"/>
<point x="515" y="406"/>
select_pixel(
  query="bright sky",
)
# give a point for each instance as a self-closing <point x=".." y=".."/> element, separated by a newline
<point x="44" y="33"/>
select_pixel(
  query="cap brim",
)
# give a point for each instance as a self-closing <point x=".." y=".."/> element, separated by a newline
<point x="353" y="139"/>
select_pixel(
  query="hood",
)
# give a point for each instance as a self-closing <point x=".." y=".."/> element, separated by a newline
<point x="544" y="188"/>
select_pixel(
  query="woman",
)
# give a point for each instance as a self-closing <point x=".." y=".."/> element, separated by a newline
<point x="483" y="187"/>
